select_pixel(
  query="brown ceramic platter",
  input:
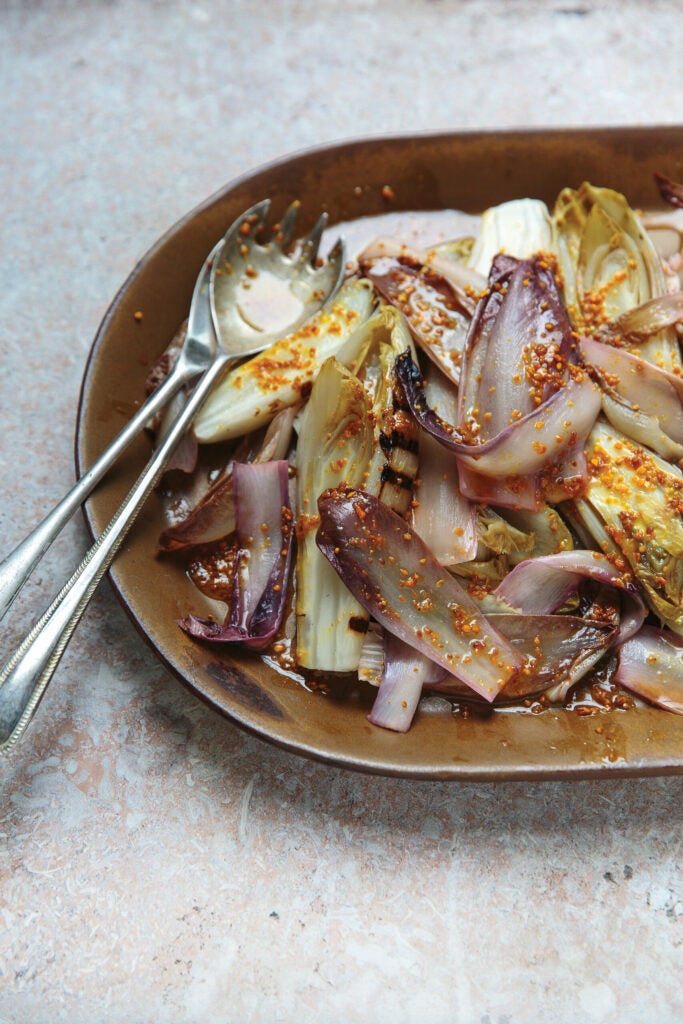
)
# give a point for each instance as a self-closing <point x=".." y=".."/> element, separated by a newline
<point x="468" y="171"/>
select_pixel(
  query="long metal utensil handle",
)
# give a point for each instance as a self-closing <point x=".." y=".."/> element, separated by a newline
<point x="25" y="677"/>
<point x="16" y="568"/>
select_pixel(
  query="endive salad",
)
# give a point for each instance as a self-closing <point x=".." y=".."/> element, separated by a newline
<point x="463" y="475"/>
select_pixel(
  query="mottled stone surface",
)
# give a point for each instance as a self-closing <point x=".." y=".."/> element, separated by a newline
<point x="157" y="865"/>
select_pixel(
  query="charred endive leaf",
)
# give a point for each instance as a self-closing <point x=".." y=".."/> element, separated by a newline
<point x="609" y="265"/>
<point x="443" y="517"/>
<point x="281" y="375"/>
<point x="640" y="427"/>
<point x="565" y="648"/>
<point x="397" y="579"/>
<point x="541" y="453"/>
<point x="353" y="432"/>
<point x="394" y="462"/>
<point x="632" y="509"/>
<point x="437" y="320"/>
<point x="335" y="444"/>
<point x="465" y="282"/>
<point x="524" y="406"/>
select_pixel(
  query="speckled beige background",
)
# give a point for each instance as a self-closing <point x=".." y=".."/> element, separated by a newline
<point x="157" y="866"/>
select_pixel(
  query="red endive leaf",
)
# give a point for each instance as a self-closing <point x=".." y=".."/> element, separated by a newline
<point x="392" y="573"/>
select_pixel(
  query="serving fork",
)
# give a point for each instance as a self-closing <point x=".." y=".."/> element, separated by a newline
<point x="219" y="333"/>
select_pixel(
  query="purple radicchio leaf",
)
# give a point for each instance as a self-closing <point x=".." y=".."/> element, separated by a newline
<point x="525" y="407"/>
<point x="405" y="673"/>
<point x="512" y="469"/>
<point x="500" y="656"/>
<point x="213" y="517"/>
<point x="393" y="574"/>
<point x="264" y="533"/>
<point x="539" y="586"/>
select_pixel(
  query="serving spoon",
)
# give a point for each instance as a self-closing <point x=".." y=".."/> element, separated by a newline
<point x="219" y="334"/>
<point x="195" y="356"/>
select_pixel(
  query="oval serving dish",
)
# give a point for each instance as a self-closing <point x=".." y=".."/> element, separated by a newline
<point x="353" y="180"/>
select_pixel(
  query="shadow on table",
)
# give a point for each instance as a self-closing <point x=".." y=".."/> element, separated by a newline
<point x="282" y="784"/>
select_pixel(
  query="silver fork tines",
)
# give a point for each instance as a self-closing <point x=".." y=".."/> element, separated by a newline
<point x="285" y="230"/>
<point x="311" y="244"/>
